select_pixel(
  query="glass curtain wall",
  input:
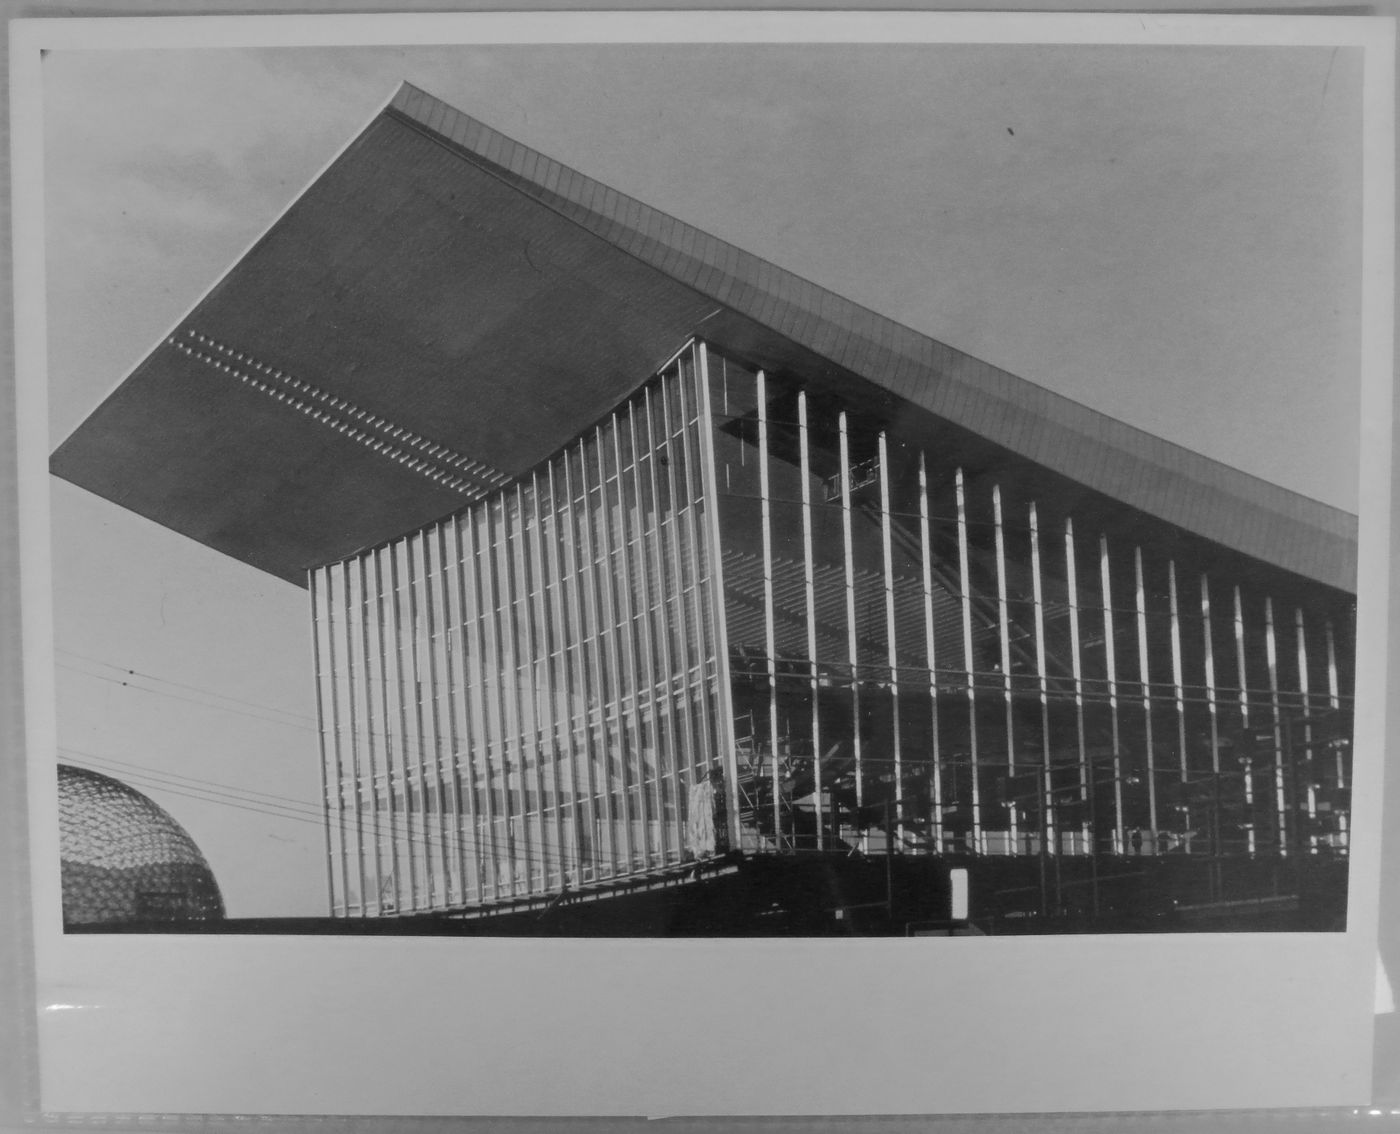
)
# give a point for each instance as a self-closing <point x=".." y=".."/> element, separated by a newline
<point x="926" y="658"/>
<point x="523" y="699"/>
<point x="800" y="628"/>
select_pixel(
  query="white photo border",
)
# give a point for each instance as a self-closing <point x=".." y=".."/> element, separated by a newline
<point x="502" y="1027"/>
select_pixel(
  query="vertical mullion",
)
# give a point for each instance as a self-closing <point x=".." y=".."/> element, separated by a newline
<point x="1244" y="720"/>
<point x="345" y="732"/>
<point x="1271" y="654"/>
<point x="352" y="728"/>
<point x="809" y="590"/>
<point x="368" y="692"/>
<point x="512" y="750"/>
<point x="969" y="662"/>
<point x="448" y="565"/>
<point x="548" y="725"/>
<point x="708" y="616"/>
<point x="1141" y="592"/>
<point x="851" y="647"/>
<point x="508" y="564"/>
<point x="530" y="687"/>
<point x="676" y="594"/>
<point x="419" y="731"/>
<point x="563" y="714"/>
<point x="484" y="833"/>
<point x="342" y="763"/>
<point x="643" y="646"/>
<point x="1052" y="826"/>
<point x="465" y="763"/>
<point x="492" y="661"/>
<point x="528" y="697"/>
<point x="769" y="631"/>
<point x="1334" y="699"/>
<point x="1004" y="641"/>
<point x="1307" y="754"/>
<point x="317" y="622"/>
<point x="430" y="615"/>
<point x="1212" y="703"/>
<point x="1178" y="684"/>
<point x="620" y="573"/>
<point x="888" y="555"/>
<point x="1111" y="673"/>
<point x="666" y="704"/>
<point x="1217" y="829"/>
<point x="601" y="684"/>
<point x="517" y="616"/>
<point x="607" y="583"/>
<point x="405" y="747"/>
<point x="931" y="653"/>
<point x="714" y="551"/>
<point x="589" y="666"/>
<point x="1086" y="776"/>
<point x="380" y="622"/>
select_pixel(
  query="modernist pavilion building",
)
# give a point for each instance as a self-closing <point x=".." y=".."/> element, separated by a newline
<point x="651" y="580"/>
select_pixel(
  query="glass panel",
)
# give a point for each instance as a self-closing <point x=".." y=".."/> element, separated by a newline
<point x="526" y="699"/>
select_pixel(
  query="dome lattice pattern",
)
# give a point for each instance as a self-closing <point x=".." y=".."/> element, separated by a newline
<point x="124" y="859"/>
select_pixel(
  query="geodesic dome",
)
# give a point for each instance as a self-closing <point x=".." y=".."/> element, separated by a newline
<point x="124" y="859"/>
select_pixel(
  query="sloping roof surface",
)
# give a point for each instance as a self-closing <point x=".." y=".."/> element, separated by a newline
<point x="444" y="307"/>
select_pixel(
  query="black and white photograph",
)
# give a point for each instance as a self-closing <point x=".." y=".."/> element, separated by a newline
<point x="691" y="492"/>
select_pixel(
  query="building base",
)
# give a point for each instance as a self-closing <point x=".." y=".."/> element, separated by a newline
<point x="823" y="894"/>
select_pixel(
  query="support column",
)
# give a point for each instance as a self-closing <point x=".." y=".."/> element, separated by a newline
<point x="892" y="655"/>
<point x="674" y="597"/>
<point x="714" y="550"/>
<point x="931" y="655"/>
<point x="465" y="763"/>
<point x="770" y="645"/>
<point x="1271" y="654"/>
<point x="1004" y="638"/>
<point x="352" y="722"/>
<point x="313" y="578"/>
<point x="1178" y="682"/>
<point x="1217" y="828"/>
<point x="1052" y="825"/>
<point x="533" y="737"/>
<point x="1146" y="696"/>
<point x="562" y="699"/>
<point x="602" y="675"/>
<point x="642" y="644"/>
<point x="852" y="651"/>
<point x="1304" y="760"/>
<point x="969" y="662"/>
<point x="809" y="591"/>
<point x="581" y="608"/>
<point x="381" y="620"/>
<point x="1248" y="760"/>
<point x="1111" y="672"/>
<point x="442" y="836"/>
<point x="675" y="639"/>
<point x="1086" y="773"/>
<point x="1334" y="700"/>
<point x="625" y="634"/>
<point x="412" y="838"/>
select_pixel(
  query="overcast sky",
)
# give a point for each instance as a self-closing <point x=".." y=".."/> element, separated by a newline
<point x="1170" y="235"/>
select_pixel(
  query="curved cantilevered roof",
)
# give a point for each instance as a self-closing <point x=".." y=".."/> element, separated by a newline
<point x="444" y="307"/>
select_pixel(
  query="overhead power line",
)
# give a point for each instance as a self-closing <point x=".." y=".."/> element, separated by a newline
<point x="287" y="807"/>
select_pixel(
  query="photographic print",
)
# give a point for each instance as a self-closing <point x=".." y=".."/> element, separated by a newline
<point x="704" y="491"/>
<point x="656" y="589"/>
